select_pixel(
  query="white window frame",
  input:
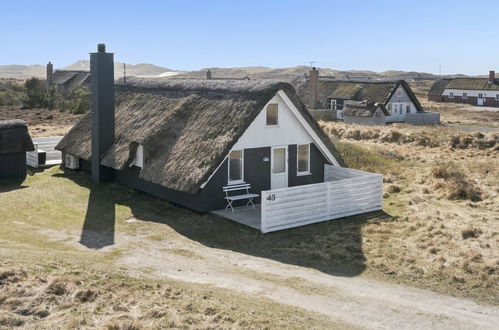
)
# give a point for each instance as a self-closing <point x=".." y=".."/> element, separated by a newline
<point x="266" y="115"/>
<point x="139" y="157"/>
<point x="334" y="105"/>
<point x="451" y="95"/>
<point x="229" y="181"/>
<point x="465" y="96"/>
<point x="307" y="172"/>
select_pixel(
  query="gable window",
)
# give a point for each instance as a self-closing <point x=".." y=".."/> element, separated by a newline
<point x="465" y="96"/>
<point x="408" y="108"/>
<point x="399" y="92"/>
<point x="272" y="114"/>
<point x="139" y="156"/>
<point x="451" y="95"/>
<point x="303" y="154"/>
<point x="236" y="166"/>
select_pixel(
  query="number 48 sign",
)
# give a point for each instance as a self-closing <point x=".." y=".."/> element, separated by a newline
<point x="271" y="197"/>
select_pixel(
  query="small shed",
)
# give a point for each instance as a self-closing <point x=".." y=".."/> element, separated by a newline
<point x="364" y="113"/>
<point x="14" y="142"/>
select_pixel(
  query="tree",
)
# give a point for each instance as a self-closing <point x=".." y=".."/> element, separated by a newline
<point x="36" y="93"/>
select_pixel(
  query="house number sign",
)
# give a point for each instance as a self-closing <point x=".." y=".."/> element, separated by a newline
<point x="271" y="197"/>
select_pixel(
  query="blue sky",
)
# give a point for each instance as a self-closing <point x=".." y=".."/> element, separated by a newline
<point x="376" y="35"/>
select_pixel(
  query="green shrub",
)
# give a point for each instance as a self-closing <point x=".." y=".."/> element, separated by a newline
<point x="36" y="94"/>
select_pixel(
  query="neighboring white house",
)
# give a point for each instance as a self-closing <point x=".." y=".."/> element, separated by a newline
<point x="475" y="91"/>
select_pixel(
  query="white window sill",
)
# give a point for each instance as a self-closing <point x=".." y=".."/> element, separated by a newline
<point x="230" y="183"/>
<point x="271" y="126"/>
<point x="303" y="173"/>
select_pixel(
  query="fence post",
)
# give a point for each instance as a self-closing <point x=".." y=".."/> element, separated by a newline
<point x="263" y="203"/>
<point x="381" y="190"/>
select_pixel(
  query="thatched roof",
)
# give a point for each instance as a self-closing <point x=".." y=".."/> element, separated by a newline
<point x="368" y="91"/>
<point x="362" y="109"/>
<point x="70" y="79"/>
<point x="187" y="127"/>
<point x="473" y="84"/>
<point x="438" y="87"/>
<point x="14" y="137"/>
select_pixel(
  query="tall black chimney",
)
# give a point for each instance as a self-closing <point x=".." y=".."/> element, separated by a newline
<point x="50" y="73"/>
<point x="102" y="89"/>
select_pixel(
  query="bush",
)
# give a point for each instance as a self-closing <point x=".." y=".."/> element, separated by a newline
<point x="76" y="102"/>
<point x="471" y="232"/>
<point x="36" y="94"/>
<point x="457" y="183"/>
<point x="11" y="93"/>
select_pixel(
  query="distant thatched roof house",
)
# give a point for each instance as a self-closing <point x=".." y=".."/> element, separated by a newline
<point x="67" y="80"/>
<point x="364" y="113"/>
<point x="397" y="97"/>
<point x="476" y="91"/>
<point x="14" y="142"/>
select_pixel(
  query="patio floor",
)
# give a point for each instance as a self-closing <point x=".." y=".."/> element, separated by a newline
<point x="244" y="215"/>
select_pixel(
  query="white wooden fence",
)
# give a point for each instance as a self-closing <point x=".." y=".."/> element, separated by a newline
<point x="423" y="118"/>
<point x="345" y="192"/>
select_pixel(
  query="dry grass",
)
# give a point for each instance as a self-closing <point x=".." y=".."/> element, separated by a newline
<point x="41" y="298"/>
<point x="41" y="122"/>
<point x="426" y="136"/>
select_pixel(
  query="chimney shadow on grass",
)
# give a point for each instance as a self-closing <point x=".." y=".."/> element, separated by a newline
<point x="99" y="225"/>
<point x="333" y="247"/>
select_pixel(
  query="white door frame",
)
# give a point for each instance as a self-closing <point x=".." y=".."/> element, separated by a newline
<point x="286" y="165"/>
<point x="480" y="100"/>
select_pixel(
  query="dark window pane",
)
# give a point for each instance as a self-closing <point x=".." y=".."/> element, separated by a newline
<point x="236" y="165"/>
<point x="272" y="114"/>
<point x="303" y="157"/>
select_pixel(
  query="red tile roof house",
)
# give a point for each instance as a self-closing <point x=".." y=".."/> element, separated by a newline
<point x="209" y="145"/>
<point x="475" y="91"/>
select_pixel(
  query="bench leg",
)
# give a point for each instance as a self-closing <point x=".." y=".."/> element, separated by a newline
<point x="250" y="202"/>
<point x="229" y="204"/>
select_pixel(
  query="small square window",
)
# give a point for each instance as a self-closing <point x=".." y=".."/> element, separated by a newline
<point x="303" y="158"/>
<point x="465" y="96"/>
<point x="399" y="92"/>
<point x="480" y="95"/>
<point x="451" y="95"/>
<point x="272" y="115"/>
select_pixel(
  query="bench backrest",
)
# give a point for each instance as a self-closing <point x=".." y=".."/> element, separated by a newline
<point x="235" y="187"/>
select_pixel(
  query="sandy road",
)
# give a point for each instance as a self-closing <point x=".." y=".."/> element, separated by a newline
<point x="357" y="301"/>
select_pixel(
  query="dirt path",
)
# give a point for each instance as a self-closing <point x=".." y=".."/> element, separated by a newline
<point x="358" y="301"/>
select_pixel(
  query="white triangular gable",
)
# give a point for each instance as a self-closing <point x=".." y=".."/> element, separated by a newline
<point x="292" y="129"/>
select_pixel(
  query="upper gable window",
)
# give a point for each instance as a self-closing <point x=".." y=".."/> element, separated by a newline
<point x="399" y="92"/>
<point x="272" y="114"/>
<point x="139" y="156"/>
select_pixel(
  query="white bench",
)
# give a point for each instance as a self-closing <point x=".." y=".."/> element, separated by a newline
<point x="238" y="187"/>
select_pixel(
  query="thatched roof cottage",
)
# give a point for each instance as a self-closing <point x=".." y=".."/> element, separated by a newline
<point x="14" y="142"/>
<point x="397" y="96"/>
<point x="475" y="91"/>
<point x="212" y="144"/>
<point x="364" y="113"/>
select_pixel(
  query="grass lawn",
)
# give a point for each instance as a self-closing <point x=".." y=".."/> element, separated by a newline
<point x="67" y="244"/>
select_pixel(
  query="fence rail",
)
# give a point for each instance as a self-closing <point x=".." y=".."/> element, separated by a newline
<point x="423" y="118"/>
<point x="346" y="192"/>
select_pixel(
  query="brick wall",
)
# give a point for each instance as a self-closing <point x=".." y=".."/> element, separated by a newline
<point x="489" y="101"/>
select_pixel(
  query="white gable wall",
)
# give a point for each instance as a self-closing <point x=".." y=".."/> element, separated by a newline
<point x="289" y="131"/>
<point x="396" y="102"/>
